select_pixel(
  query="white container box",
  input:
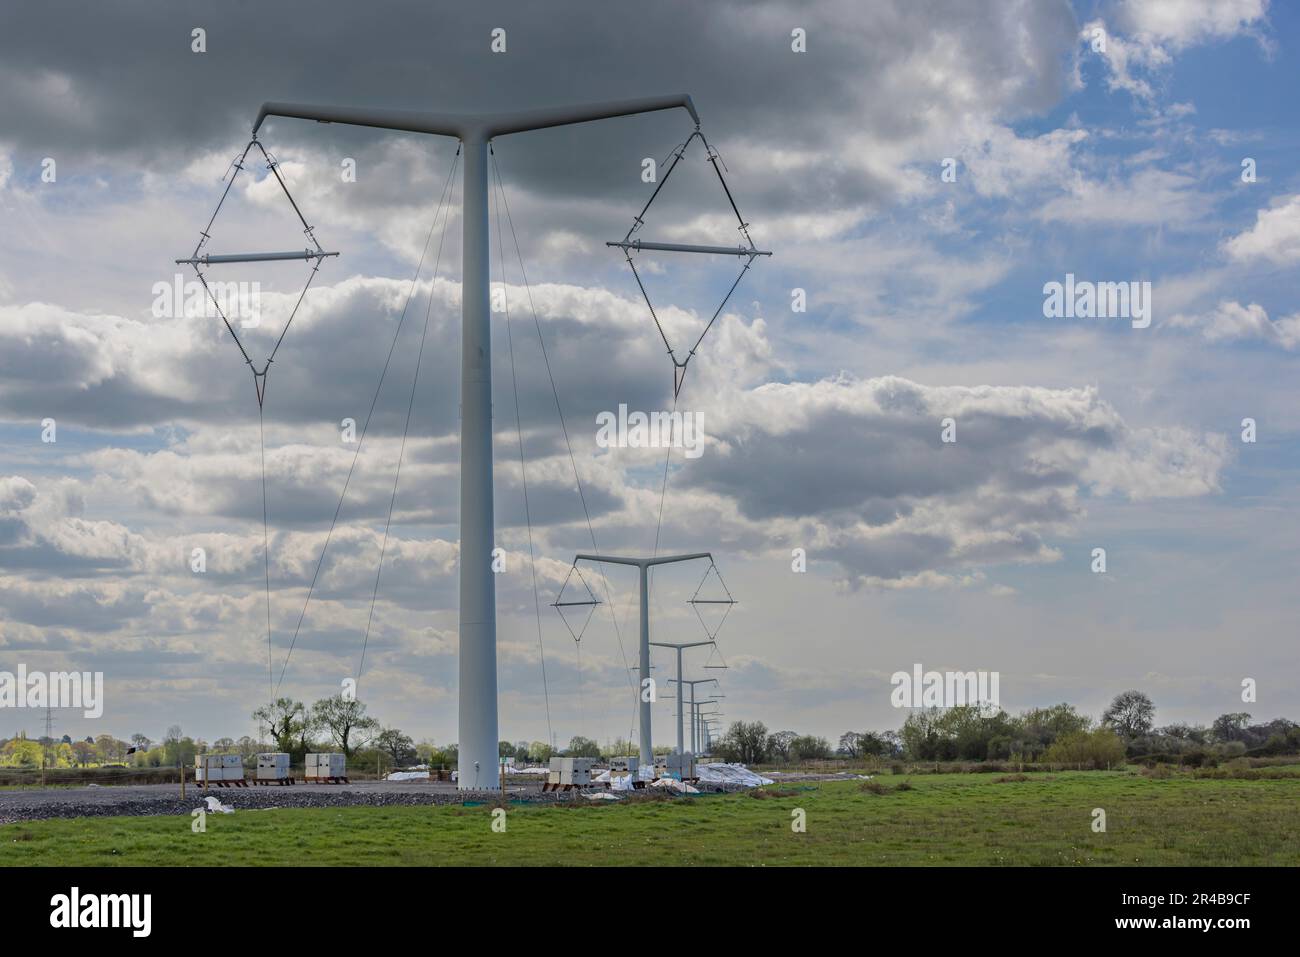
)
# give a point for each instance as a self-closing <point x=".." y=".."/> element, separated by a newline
<point x="569" y="771"/>
<point x="326" y="765"/>
<point x="675" y="765"/>
<point x="273" y="766"/>
<point x="212" y="767"/>
<point x="628" y="763"/>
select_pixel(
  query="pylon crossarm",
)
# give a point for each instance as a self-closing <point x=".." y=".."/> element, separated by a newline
<point x="746" y="251"/>
<point x="210" y="260"/>
<point x="590" y="603"/>
<point x="316" y="256"/>
<point x="463" y="125"/>
<point x="637" y="245"/>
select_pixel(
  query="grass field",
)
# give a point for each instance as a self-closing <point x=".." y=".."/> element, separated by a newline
<point x="968" y="819"/>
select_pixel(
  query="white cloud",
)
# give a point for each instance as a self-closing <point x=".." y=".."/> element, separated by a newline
<point x="1149" y="196"/>
<point x="1004" y="163"/>
<point x="1275" y="237"/>
<point x="1231" y="321"/>
<point x="1185" y="23"/>
<point x="1150" y="33"/>
<point x="1125" y="58"/>
<point x="855" y="470"/>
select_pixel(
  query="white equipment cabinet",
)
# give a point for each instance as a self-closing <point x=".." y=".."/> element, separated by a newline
<point x="273" y="768"/>
<point x="220" y="769"/>
<point x="326" y="768"/>
<point x="568" y="772"/>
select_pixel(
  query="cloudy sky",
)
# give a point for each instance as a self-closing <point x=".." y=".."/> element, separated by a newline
<point x="1106" y="140"/>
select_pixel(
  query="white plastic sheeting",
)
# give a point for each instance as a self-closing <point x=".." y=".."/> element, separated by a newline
<point x="616" y="782"/>
<point x="730" y="774"/>
<point x="408" y="776"/>
<point x="680" y="787"/>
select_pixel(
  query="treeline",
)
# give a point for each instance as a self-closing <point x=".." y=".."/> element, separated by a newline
<point x="1060" y="734"/>
<point x="338" y="723"/>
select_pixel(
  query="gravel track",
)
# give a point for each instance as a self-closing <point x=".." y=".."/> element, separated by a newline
<point x="155" y="799"/>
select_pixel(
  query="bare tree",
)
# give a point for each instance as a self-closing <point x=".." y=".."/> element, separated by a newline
<point x="1131" y="714"/>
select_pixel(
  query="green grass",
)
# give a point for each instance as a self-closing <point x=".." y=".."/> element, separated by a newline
<point x="942" y="820"/>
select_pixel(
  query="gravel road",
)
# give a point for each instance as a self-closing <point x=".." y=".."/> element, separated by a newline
<point x="33" y="804"/>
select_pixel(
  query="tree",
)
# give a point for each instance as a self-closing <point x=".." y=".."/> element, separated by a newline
<point x="851" y="744"/>
<point x="975" y="732"/>
<point x="1131" y="714"/>
<point x="171" y="747"/>
<point x="140" y="742"/>
<point x="83" y="752"/>
<point x="1230" y="727"/>
<point x="425" y="749"/>
<point x="1097" y="749"/>
<point x="110" y="749"/>
<point x="343" y="718"/>
<point x="397" y="745"/>
<point x="306" y="731"/>
<point x="872" y="745"/>
<point x="580" y="747"/>
<point x="285" y="719"/>
<point x="540" y="752"/>
<point x="809" y="747"/>
<point x="22" y="753"/>
<point x="746" y="743"/>
<point x="619" y="747"/>
<point x="921" y="737"/>
<point x="1039" y="727"/>
<point x="779" y="744"/>
<point x="1181" y="731"/>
